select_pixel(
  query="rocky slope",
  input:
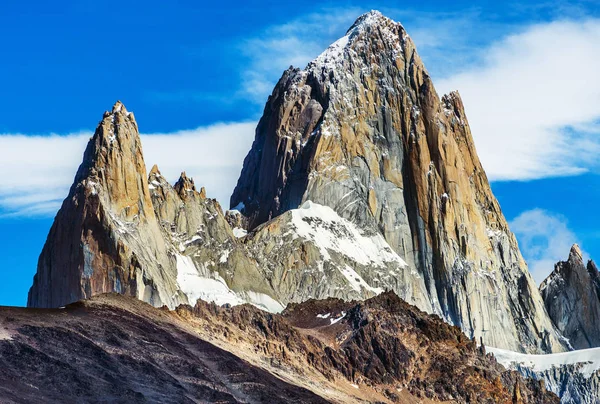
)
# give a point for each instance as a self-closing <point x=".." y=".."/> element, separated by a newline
<point x="117" y="349"/>
<point x="571" y="294"/>
<point x="362" y="131"/>
<point x="120" y="230"/>
<point x="574" y="376"/>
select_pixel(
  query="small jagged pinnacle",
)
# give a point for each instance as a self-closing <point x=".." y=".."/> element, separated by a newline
<point x="154" y="170"/>
<point x="575" y="254"/>
<point x="184" y="185"/>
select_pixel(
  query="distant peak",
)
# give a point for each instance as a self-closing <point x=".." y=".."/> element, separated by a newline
<point x="576" y="254"/>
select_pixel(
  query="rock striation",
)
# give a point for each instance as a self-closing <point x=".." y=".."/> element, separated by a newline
<point x="361" y="130"/>
<point x="571" y="294"/>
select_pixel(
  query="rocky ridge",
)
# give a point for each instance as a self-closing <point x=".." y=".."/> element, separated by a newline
<point x="361" y="130"/>
<point x="571" y="294"/>
<point x="381" y="350"/>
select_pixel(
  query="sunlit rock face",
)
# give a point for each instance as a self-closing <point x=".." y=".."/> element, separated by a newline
<point x="362" y="131"/>
<point x="106" y="237"/>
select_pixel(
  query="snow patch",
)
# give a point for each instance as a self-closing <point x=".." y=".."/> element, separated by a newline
<point x="357" y="282"/>
<point x="215" y="289"/>
<point x="5" y="335"/>
<point x="330" y="232"/>
<point x="323" y="315"/>
<point x="224" y="256"/>
<point x="589" y="359"/>
<point x="337" y="320"/>
<point x="333" y="54"/>
<point x="238" y="232"/>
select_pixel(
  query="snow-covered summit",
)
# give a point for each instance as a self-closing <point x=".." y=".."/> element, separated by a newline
<point x="391" y="31"/>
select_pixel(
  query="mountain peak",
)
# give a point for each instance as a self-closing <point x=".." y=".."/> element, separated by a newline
<point x="368" y="19"/>
<point x="185" y="185"/>
<point x="119" y="107"/>
<point x="363" y="131"/>
<point x="575" y="255"/>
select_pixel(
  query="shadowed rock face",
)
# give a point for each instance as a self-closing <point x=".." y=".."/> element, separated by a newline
<point x="363" y="131"/>
<point x="113" y="348"/>
<point x="571" y="294"/>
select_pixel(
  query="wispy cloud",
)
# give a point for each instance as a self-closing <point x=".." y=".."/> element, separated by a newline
<point x="294" y="43"/>
<point x="534" y="101"/>
<point x="544" y="238"/>
<point x="35" y="181"/>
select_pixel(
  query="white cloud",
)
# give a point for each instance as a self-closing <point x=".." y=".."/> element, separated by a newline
<point x="37" y="171"/>
<point x="534" y="101"/>
<point x="544" y="238"/>
<point x="291" y="44"/>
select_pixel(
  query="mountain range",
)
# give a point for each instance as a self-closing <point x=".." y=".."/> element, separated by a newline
<point x="364" y="258"/>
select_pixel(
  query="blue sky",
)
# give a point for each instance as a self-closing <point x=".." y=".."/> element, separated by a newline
<point x="197" y="76"/>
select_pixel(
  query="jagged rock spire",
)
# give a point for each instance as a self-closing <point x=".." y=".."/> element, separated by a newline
<point x="571" y="294"/>
<point x="105" y="237"/>
<point x="575" y="255"/>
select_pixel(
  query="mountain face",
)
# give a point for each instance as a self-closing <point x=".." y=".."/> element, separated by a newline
<point x="113" y="348"/>
<point x="362" y="131"/>
<point x="120" y="230"/>
<point x="571" y="294"/>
